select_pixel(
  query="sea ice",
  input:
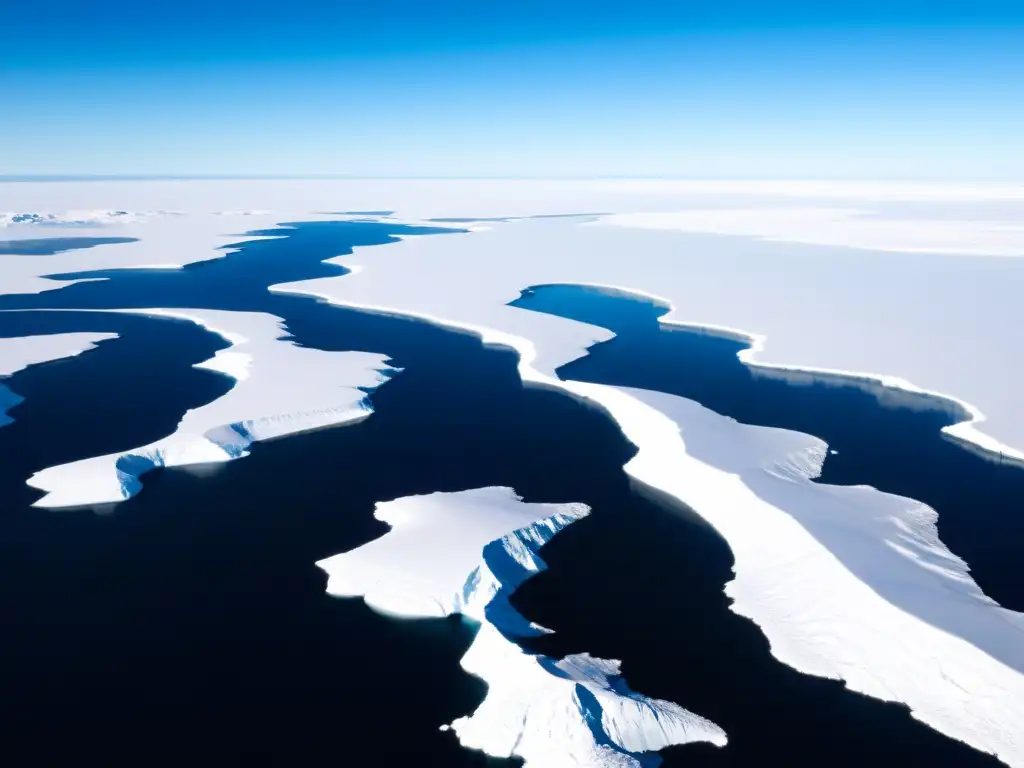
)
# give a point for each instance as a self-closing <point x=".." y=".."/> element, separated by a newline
<point x="281" y="389"/>
<point x="466" y="553"/>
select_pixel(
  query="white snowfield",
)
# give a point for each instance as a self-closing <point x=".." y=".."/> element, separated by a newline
<point x="281" y="389"/>
<point x="19" y="352"/>
<point x="466" y="553"/>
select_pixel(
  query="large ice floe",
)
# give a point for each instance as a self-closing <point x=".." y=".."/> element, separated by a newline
<point x="19" y="352"/>
<point x="466" y="553"/>
<point x="281" y="389"/>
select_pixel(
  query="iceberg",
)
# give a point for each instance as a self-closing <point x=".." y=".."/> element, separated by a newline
<point x="20" y="352"/>
<point x="280" y="389"/>
<point x="466" y="553"/>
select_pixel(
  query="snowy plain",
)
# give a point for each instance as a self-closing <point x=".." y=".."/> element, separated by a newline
<point x="913" y="285"/>
<point x="466" y="553"/>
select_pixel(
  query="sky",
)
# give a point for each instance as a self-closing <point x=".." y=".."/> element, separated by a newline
<point x="875" y="89"/>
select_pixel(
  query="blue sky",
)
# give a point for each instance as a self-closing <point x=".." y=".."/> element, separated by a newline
<point x="870" y="89"/>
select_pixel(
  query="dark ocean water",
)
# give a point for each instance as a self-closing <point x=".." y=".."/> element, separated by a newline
<point x="191" y="622"/>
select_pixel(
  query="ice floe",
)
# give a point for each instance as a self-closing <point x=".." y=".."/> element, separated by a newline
<point x="17" y="353"/>
<point x="466" y="553"/>
<point x="281" y="389"/>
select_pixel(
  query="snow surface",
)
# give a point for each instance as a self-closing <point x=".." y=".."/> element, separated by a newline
<point x="281" y="389"/>
<point x="20" y="352"/>
<point x="466" y="553"/>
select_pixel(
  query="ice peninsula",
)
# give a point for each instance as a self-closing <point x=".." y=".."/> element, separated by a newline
<point x="280" y="389"/>
<point x="466" y="553"/>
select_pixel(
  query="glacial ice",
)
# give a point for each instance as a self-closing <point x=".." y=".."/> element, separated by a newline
<point x="281" y="389"/>
<point x="17" y="353"/>
<point x="466" y="553"/>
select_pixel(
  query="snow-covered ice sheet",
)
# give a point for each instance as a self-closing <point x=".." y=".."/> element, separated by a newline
<point x="466" y="553"/>
<point x="281" y="389"/>
<point x="19" y="352"/>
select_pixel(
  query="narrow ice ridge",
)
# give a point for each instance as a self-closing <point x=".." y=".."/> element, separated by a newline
<point x="846" y="583"/>
<point x="17" y="353"/>
<point x="281" y="389"/>
<point x="466" y="553"/>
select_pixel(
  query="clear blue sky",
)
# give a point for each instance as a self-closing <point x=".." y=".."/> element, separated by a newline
<point x="869" y="89"/>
